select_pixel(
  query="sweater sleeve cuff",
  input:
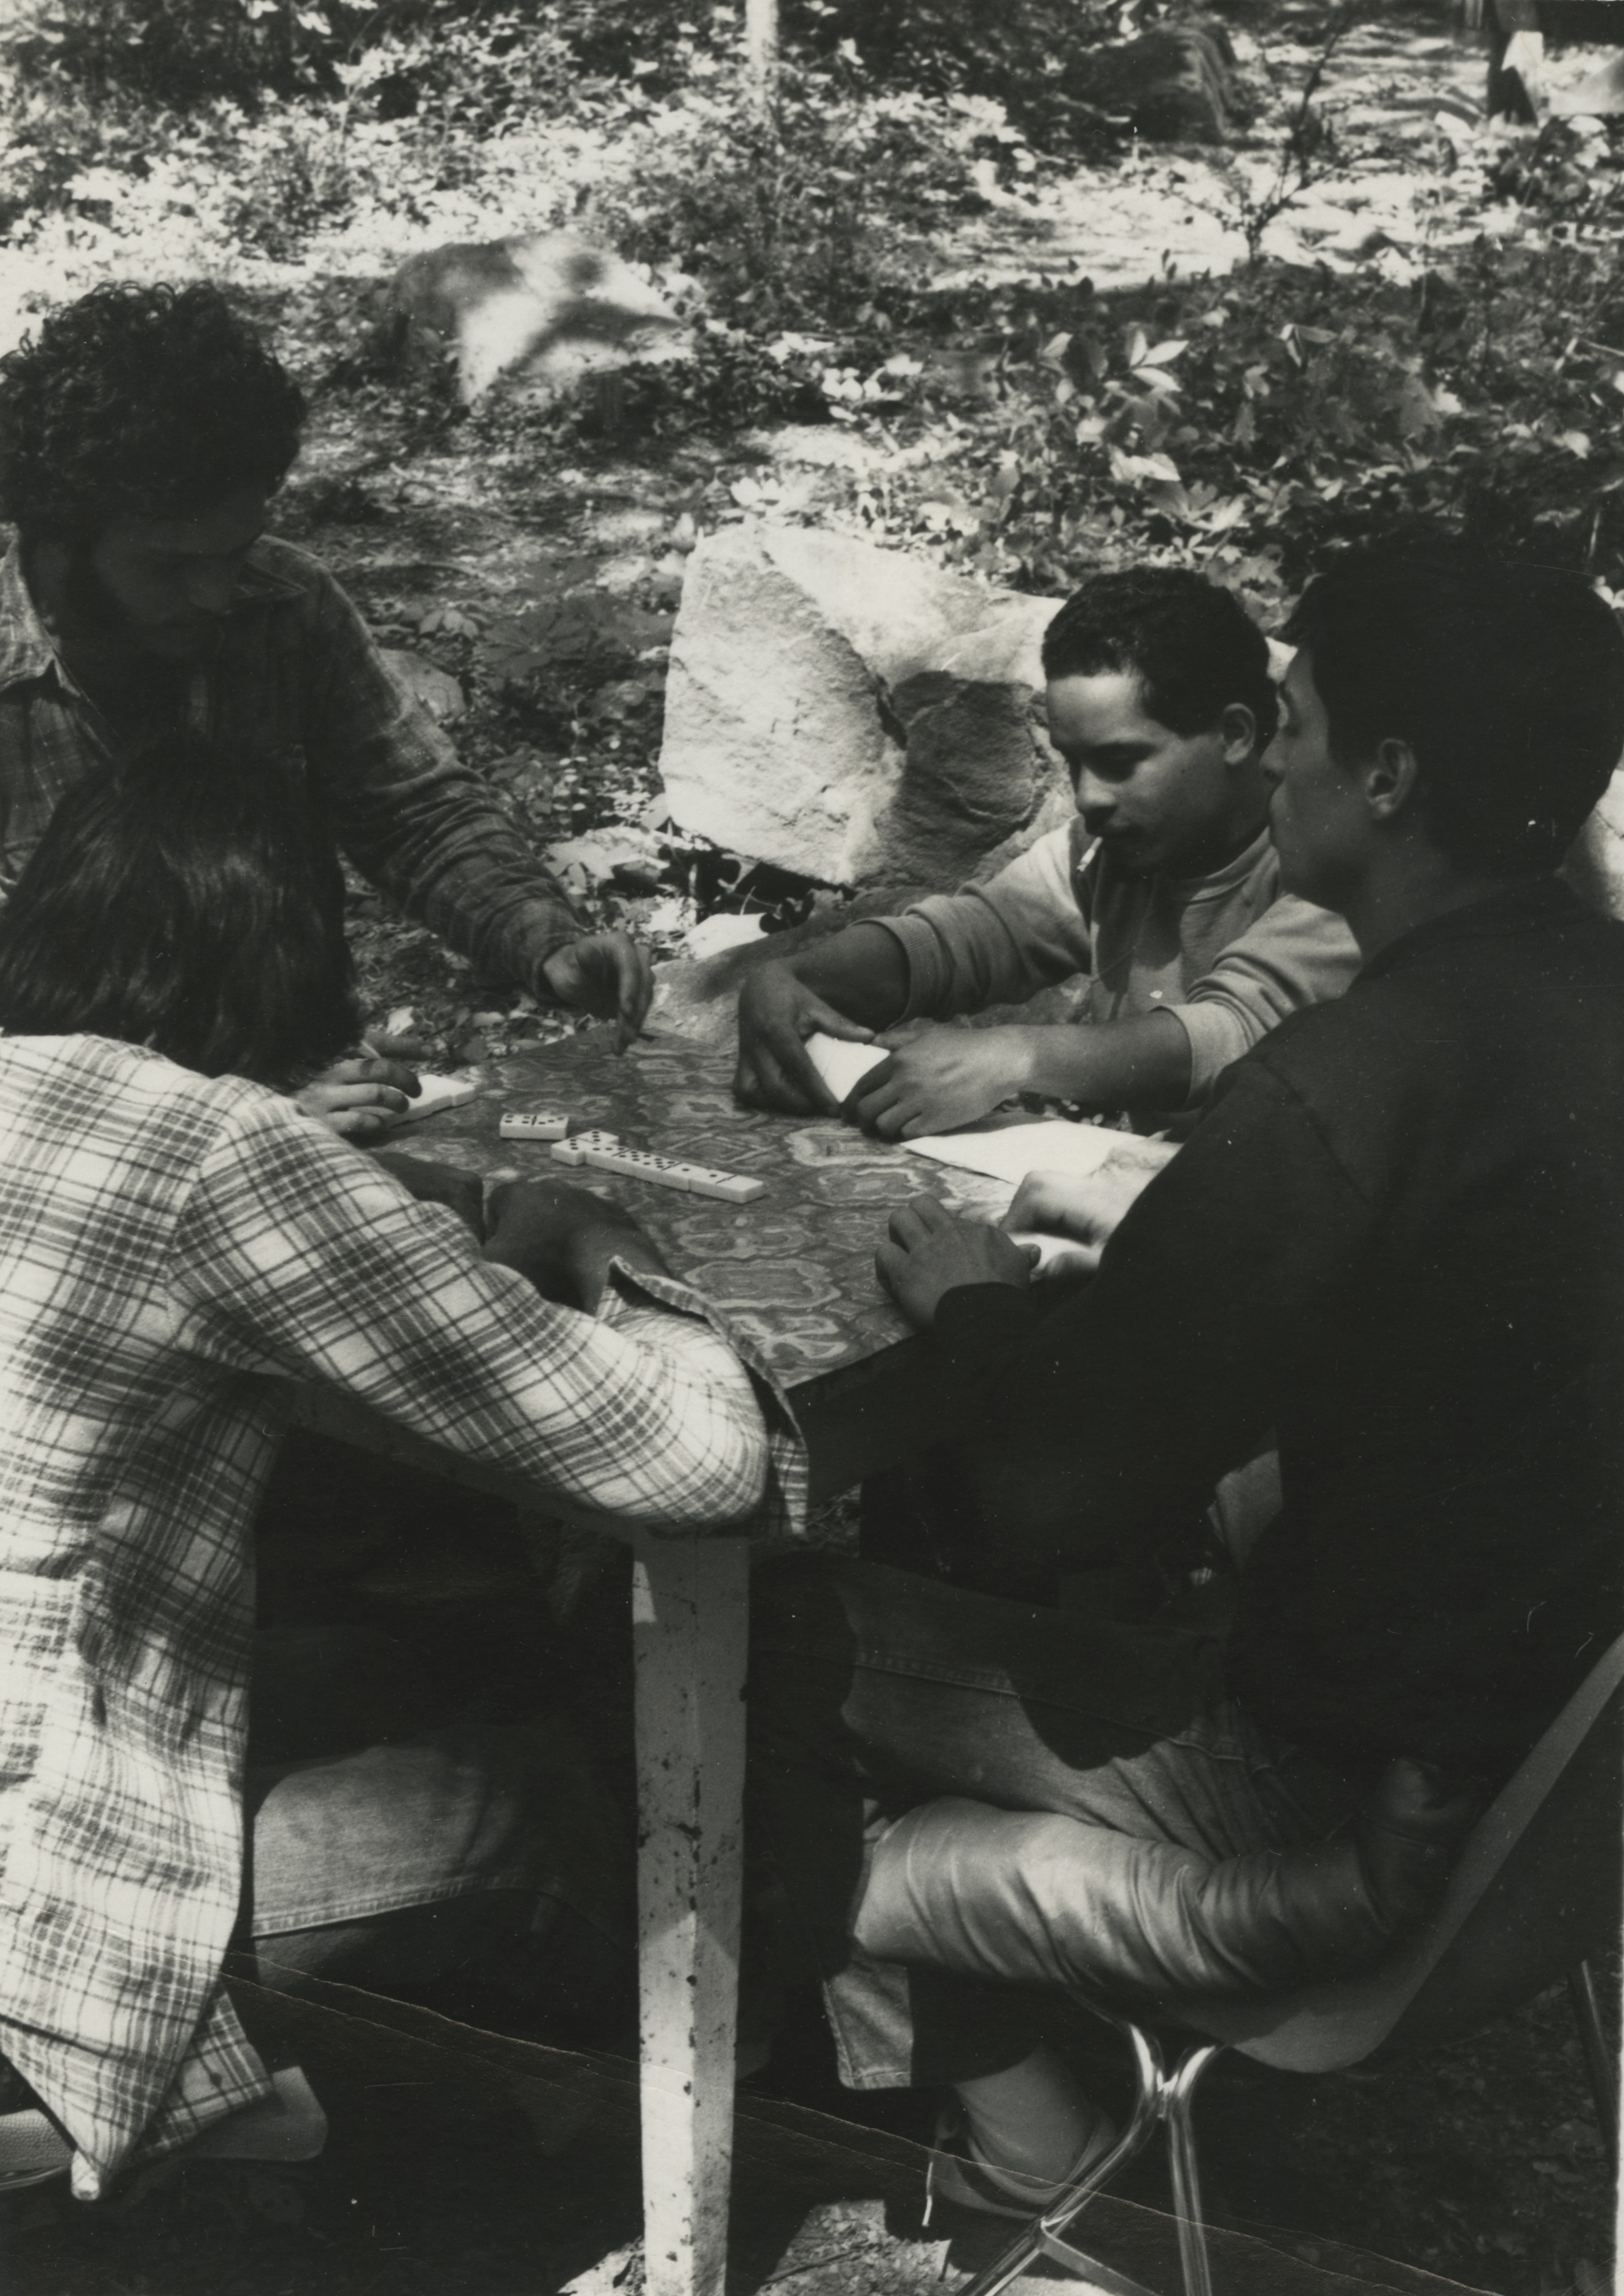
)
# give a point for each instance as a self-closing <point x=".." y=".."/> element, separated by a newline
<point x="921" y="949"/>
<point x="1218" y="1035"/>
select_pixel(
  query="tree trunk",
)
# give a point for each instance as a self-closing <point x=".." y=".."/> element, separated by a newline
<point x="761" y="53"/>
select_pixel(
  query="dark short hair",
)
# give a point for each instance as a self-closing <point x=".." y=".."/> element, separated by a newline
<point x="140" y="402"/>
<point x="1506" y="681"/>
<point x="1191" y="644"/>
<point x="190" y="898"/>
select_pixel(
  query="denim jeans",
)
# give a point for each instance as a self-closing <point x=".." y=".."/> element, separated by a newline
<point x="1101" y="1790"/>
<point x="486" y="1858"/>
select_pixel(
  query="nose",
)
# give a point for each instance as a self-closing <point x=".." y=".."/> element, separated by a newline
<point x="1273" y="765"/>
<point x="1096" y="801"/>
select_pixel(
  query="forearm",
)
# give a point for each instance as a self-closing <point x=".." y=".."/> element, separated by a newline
<point x="577" y="1270"/>
<point x="1133" y="1394"/>
<point x="464" y="872"/>
<point x="862" y="973"/>
<point x="1138" y="1063"/>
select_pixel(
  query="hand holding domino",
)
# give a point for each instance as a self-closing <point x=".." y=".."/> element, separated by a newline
<point x="434" y="1094"/>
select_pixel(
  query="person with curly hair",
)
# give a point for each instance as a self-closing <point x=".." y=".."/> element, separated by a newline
<point x="143" y="433"/>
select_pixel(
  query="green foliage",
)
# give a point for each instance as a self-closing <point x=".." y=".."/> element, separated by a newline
<point x="780" y="221"/>
<point x="182" y="50"/>
<point x="1020" y="53"/>
<point x="1246" y="425"/>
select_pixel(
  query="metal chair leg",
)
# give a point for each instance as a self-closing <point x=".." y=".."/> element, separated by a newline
<point x="1598" y="2057"/>
<point x="1181" y="2098"/>
<point x="1045" y="2235"/>
<point x="1161" y="2097"/>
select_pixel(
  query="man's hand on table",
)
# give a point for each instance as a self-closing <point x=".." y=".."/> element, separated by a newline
<point x="930" y="1253"/>
<point x="562" y="1239"/>
<point x="1084" y="1207"/>
<point x="940" y="1078"/>
<point x="777" y="1012"/>
<point x="359" y="1097"/>
<point x="605" y="974"/>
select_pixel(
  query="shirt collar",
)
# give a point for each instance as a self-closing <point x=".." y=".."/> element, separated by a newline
<point x="25" y="647"/>
<point x="26" y="650"/>
<point x="1215" y="882"/>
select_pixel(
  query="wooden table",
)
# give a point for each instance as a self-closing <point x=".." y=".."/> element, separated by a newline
<point x="793" y="1275"/>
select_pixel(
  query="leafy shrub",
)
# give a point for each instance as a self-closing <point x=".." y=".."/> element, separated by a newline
<point x="1244" y="425"/>
<point x="780" y="221"/>
<point x="180" y="51"/>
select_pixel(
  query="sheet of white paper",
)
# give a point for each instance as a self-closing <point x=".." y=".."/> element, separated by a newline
<point x="840" y="1064"/>
<point x="1049" y="1144"/>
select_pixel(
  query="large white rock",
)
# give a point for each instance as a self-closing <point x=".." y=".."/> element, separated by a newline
<point x="855" y="715"/>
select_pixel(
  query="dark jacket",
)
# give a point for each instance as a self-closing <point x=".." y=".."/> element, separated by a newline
<point x="1398" y="1238"/>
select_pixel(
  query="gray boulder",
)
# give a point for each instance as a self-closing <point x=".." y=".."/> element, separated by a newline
<point x="856" y="716"/>
<point x="1174" y="83"/>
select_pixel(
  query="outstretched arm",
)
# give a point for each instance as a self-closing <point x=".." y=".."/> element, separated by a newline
<point x="1131" y="1398"/>
<point x="425" y="829"/>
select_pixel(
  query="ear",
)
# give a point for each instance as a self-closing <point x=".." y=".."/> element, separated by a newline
<point x="1391" y="780"/>
<point x="1238" y="732"/>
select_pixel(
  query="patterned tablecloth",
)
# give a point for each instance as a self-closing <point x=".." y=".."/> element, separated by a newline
<point x="793" y="1271"/>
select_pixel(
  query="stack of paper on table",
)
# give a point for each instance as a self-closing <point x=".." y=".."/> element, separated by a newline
<point x="1009" y="1151"/>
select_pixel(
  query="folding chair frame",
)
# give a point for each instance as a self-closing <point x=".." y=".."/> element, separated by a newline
<point x="1166" y="2098"/>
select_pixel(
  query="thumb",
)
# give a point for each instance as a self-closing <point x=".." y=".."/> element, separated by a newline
<point x="835" y="1024"/>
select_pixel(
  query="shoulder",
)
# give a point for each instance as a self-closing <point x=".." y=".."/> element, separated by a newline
<point x="1530" y="989"/>
<point x="279" y="574"/>
<point x="93" y="1105"/>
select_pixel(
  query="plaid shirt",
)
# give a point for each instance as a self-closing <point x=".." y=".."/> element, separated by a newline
<point x="296" y="673"/>
<point x="173" y="1251"/>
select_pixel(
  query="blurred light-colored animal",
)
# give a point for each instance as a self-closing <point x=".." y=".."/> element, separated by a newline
<point x="555" y="303"/>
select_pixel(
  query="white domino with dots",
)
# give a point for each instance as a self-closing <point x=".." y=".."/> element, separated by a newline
<point x="603" y="1153"/>
<point x="572" y="1151"/>
<point x="535" y="1124"/>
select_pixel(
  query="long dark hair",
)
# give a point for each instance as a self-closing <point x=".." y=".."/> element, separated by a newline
<point x="189" y="898"/>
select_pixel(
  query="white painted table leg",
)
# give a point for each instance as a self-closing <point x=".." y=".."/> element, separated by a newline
<point x="690" y="1618"/>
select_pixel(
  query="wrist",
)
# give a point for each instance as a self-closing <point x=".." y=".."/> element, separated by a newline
<point x="543" y="987"/>
<point x="1045" y="1063"/>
